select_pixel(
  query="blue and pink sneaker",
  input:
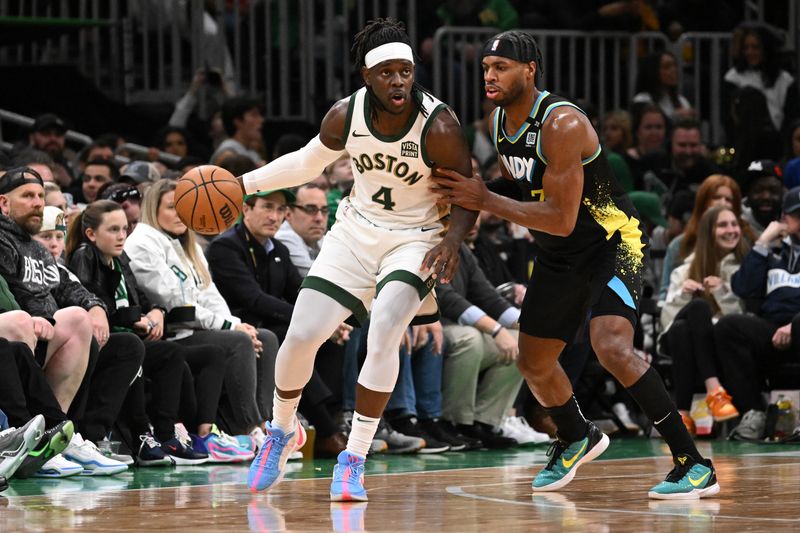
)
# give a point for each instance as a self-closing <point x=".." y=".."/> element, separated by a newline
<point x="221" y="447"/>
<point x="348" y="479"/>
<point x="267" y="469"/>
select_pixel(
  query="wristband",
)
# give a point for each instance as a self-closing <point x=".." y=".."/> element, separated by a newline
<point x="496" y="330"/>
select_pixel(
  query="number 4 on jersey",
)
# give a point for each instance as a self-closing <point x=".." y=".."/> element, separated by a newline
<point x="384" y="197"/>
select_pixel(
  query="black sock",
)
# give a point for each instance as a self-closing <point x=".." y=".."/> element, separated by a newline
<point x="569" y="420"/>
<point x="652" y="397"/>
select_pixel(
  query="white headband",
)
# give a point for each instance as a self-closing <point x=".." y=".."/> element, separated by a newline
<point x="388" y="51"/>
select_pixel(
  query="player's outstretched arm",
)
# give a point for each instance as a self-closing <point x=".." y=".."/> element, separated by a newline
<point x="447" y="148"/>
<point x="566" y="137"/>
<point x="305" y="164"/>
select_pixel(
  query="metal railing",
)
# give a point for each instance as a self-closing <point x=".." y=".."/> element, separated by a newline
<point x="296" y="53"/>
<point x="597" y="67"/>
<point x="83" y="33"/>
<point x="82" y="140"/>
<point x="703" y="60"/>
<point x="600" y="68"/>
<point x="26" y="122"/>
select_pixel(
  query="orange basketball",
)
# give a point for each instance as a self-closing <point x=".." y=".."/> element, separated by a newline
<point x="208" y="199"/>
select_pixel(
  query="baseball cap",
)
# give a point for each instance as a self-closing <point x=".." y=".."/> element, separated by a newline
<point x="49" y="121"/>
<point x="139" y="172"/>
<point x="53" y="219"/>
<point x="763" y="167"/>
<point x="649" y="206"/>
<point x="289" y="195"/>
<point x="17" y="177"/>
<point x="791" y="200"/>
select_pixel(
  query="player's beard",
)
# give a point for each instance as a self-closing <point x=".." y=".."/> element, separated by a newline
<point x="515" y="91"/>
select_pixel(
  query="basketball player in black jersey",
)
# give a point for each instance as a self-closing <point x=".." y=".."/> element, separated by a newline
<point x="590" y="258"/>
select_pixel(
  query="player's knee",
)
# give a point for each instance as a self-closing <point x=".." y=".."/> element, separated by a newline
<point x="612" y="352"/>
<point x="530" y="367"/>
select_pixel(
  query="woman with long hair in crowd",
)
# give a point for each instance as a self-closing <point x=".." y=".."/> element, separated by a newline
<point x="699" y="293"/>
<point x="657" y="82"/>
<point x="172" y="271"/>
<point x="95" y="254"/>
<point x="717" y="189"/>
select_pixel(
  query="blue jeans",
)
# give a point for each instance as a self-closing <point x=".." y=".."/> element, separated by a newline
<point x="418" y="390"/>
<point x="3" y="421"/>
<point x="350" y="367"/>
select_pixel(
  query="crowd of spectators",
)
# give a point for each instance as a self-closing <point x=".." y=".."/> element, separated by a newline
<point x="118" y="324"/>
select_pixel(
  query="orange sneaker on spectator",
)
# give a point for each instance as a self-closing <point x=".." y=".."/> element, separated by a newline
<point x="719" y="403"/>
<point x="689" y="423"/>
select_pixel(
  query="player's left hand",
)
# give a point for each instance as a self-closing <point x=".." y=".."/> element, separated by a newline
<point x="443" y="260"/>
<point x="455" y="188"/>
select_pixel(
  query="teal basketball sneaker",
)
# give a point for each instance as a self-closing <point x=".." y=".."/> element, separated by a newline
<point x="689" y="480"/>
<point x="565" y="458"/>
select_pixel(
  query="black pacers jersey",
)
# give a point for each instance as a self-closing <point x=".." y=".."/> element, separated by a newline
<point x="606" y="214"/>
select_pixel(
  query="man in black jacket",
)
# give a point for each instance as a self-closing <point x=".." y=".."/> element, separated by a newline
<point x="480" y="329"/>
<point x="255" y="275"/>
<point x="43" y="290"/>
<point x="90" y="387"/>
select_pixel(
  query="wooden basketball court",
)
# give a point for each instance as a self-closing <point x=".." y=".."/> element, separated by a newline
<point x="475" y="491"/>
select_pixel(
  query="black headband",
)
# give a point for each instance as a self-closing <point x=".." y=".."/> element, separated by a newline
<point x="17" y="177"/>
<point x="498" y="46"/>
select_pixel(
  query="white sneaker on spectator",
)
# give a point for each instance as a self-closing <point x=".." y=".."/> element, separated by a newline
<point x="258" y="437"/>
<point x="127" y="460"/>
<point x="751" y="427"/>
<point x="94" y="463"/>
<point x="621" y="410"/>
<point x="296" y="455"/>
<point x="518" y="429"/>
<point x="59" y="466"/>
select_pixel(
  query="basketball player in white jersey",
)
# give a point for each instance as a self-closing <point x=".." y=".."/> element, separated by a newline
<point x="390" y="242"/>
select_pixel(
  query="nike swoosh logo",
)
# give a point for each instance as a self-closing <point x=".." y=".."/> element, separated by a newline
<point x="568" y="464"/>
<point x="361" y="419"/>
<point x="360" y="134"/>
<point x="428" y="229"/>
<point x="658" y="422"/>
<point x="696" y="482"/>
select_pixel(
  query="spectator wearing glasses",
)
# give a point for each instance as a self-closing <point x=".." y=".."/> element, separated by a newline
<point x="129" y="197"/>
<point x="305" y="226"/>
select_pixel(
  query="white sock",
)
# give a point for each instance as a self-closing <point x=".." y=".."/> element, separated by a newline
<point x="361" y="434"/>
<point x="283" y="410"/>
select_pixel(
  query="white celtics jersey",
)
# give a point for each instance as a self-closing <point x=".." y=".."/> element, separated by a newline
<point x="392" y="174"/>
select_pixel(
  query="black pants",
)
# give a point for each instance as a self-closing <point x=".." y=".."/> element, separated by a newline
<point x="747" y="355"/>
<point x="107" y="379"/>
<point x="163" y="369"/>
<point x="202" y="377"/>
<point x="24" y="390"/>
<point x="690" y="342"/>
